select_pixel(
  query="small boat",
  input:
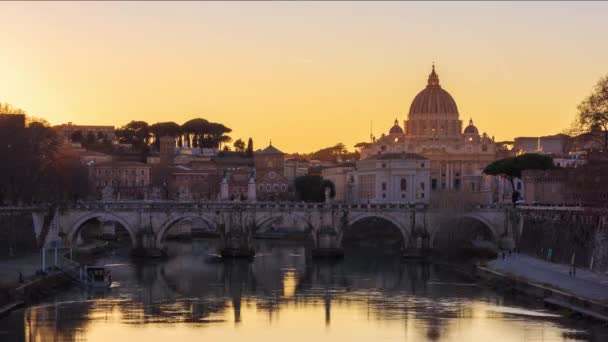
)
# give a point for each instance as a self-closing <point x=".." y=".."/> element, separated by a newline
<point x="95" y="277"/>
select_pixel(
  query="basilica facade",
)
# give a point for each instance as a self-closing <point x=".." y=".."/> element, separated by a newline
<point x="434" y="130"/>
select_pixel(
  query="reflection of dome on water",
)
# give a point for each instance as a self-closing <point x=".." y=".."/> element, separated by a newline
<point x="433" y="99"/>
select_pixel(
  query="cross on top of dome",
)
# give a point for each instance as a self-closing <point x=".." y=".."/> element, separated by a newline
<point x="433" y="78"/>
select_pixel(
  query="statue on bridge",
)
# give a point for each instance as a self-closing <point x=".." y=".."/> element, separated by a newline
<point x="107" y="194"/>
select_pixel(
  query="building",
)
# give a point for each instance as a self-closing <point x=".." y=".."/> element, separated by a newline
<point x="585" y="185"/>
<point x="270" y="179"/>
<point x="393" y="177"/>
<point x="295" y="168"/>
<point x="92" y="157"/>
<point x="12" y="121"/>
<point x="167" y="147"/>
<point x="553" y="144"/>
<point x="194" y="184"/>
<point x="343" y="177"/>
<point x="434" y="131"/>
<point x="127" y="180"/>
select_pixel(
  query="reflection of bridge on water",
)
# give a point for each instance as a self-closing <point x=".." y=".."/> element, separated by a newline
<point x="386" y="287"/>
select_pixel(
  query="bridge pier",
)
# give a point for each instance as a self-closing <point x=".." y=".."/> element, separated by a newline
<point x="236" y="232"/>
<point x="327" y="243"/>
<point x="419" y="247"/>
<point x="145" y="246"/>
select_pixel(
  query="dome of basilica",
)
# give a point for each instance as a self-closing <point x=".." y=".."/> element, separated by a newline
<point x="396" y="129"/>
<point x="471" y="129"/>
<point x="433" y="99"/>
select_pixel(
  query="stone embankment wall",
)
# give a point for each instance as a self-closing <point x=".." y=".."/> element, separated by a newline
<point x="17" y="235"/>
<point x="558" y="235"/>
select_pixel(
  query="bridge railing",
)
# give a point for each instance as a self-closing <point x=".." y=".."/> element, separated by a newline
<point x="262" y="206"/>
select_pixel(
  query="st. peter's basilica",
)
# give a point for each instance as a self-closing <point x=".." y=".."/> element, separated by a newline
<point x="434" y="130"/>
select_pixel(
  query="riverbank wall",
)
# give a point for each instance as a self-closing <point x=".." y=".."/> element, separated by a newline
<point x="571" y="235"/>
<point x="39" y="286"/>
<point x="551" y="296"/>
<point x="17" y="235"/>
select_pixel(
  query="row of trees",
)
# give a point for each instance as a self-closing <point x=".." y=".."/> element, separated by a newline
<point x="194" y="133"/>
<point x="335" y="153"/>
<point x="592" y="116"/>
<point x="33" y="169"/>
<point x="312" y="188"/>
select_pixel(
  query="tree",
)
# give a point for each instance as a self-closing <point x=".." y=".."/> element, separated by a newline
<point x="26" y="152"/>
<point x="161" y="129"/>
<point x="362" y="145"/>
<point x="312" y="188"/>
<point x="334" y="153"/>
<point x="239" y="145"/>
<point x="216" y="135"/>
<point x="90" y="138"/>
<point x="136" y="133"/>
<point x="7" y="108"/>
<point x="194" y="130"/>
<point x="250" y="148"/>
<point x="592" y="116"/>
<point x="512" y="167"/>
<point x="77" y="137"/>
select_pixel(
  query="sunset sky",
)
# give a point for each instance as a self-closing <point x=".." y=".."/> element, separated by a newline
<point x="304" y="74"/>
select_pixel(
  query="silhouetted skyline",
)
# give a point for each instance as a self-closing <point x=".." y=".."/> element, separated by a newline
<point x="304" y="74"/>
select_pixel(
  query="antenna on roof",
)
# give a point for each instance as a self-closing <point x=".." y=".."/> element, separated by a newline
<point x="371" y="129"/>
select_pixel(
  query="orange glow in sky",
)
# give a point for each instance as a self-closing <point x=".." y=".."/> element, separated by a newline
<point x="304" y="74"/>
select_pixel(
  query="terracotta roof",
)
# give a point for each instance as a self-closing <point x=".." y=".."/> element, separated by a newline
<point x="269" y="150"/>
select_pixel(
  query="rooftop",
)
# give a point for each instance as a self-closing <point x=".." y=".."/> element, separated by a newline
<point x="403" y="156"/>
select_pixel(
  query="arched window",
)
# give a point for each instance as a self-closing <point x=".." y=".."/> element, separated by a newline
<point x="403" y="184"/>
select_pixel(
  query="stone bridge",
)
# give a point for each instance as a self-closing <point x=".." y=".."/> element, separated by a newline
<point x="148" y="223"/>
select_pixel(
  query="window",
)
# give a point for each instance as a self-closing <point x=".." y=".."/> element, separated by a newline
<point x="518" y="185"/>
<point x="457" y="184"/>
<point x="421" y="164"/>
<point x="383" y="186"/>
<point x="267" y="187"/>
<point x="472" y="186"/>
<point x="443" y="185"/>
<point x="403" y="184"/>
<point x="383" y="165"/>
<point x="434" y="184"/>
<point x="422" y="195"/>
<point x="276" y="187"/>
<point x="402" y="195"/>
<point x="283" y="187"/>
<point x="422" y="186"/>
<point x="383" y="195"/>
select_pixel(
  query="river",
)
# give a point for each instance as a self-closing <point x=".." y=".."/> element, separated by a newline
<point x="284" y="296"/>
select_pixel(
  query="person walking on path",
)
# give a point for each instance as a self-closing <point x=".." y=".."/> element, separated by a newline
<point x="572" y="267"/>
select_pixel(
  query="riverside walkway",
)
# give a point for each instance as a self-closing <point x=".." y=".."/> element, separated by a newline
<point x="586" y="284"/>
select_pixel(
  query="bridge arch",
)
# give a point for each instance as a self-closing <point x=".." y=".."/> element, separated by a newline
<point x="264" y="221"/>
<point x="463" y="228"/>
<point x="77" y="226"/>
<point x="162" y="232"/>
<point x="384" y="217"/>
